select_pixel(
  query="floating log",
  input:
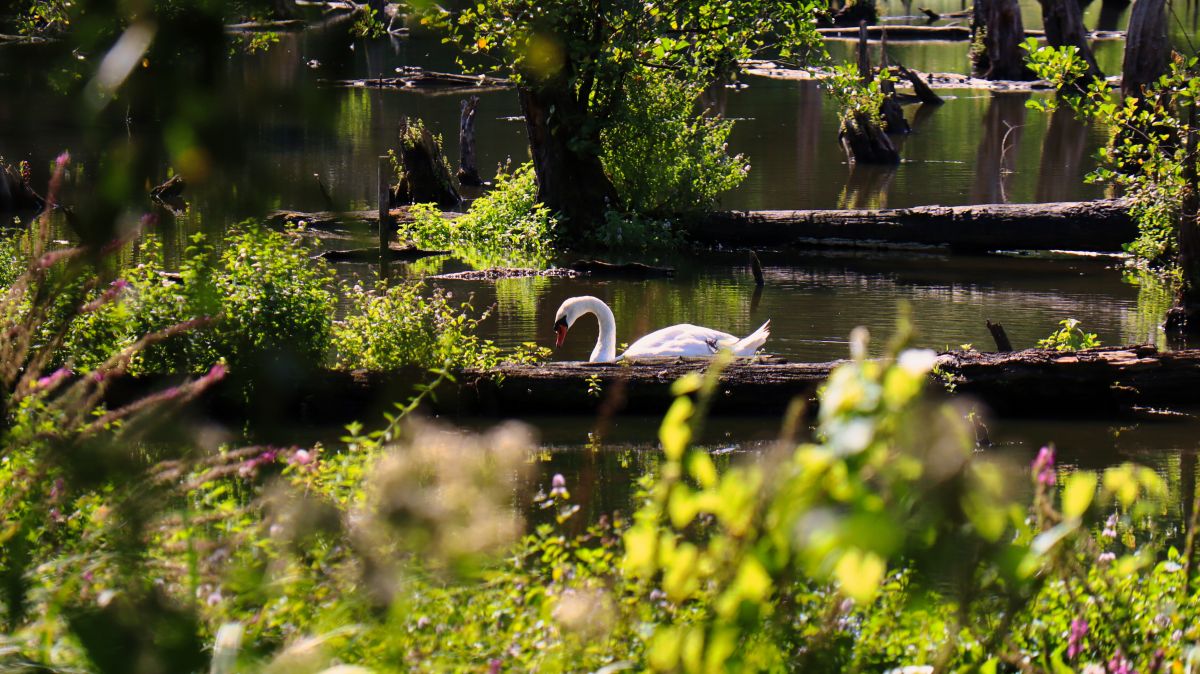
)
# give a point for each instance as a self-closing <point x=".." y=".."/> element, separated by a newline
<point x="397" y="252"/>
<point x="910" y="33"/>
<point x="419" y="79"/>
<point x="267" y="26"/>
<point x="1095" y="226"/>
<point x="774" y="71"/>
<point x="624" y="270"/>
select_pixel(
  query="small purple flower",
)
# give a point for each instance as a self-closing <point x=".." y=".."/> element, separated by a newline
<point x="1043" y="467"/>
<point x="302" y="457"/>
<point x="558" y="487"/>
<point x="1119" y="664"/>
<point x="88" y="575"/>
<point x="1079" y="629"/>
<point x="494" y="666"/>
<point x="61" y="161"/>
<point x="57" y="489"/>
<point x="215" y="374"/>
<point x="1106" y="557"/>
<point x="53" y="379"/>
<point x="1110" y="527"/>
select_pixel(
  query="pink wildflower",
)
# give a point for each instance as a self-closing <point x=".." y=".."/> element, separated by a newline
<point x="53" y="379"/>
<point x="1043" y="467"/>
<point x="1119" y="664"/>
<point x="1079" y="629"/>
<point x="558" y="486"/>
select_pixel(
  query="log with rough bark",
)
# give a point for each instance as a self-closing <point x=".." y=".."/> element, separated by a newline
<point x="1099" y="226"/>
<point x="997" y="27"/>
<point x="468" y="172"/>
<point x="414" y="78"/>
<point x="1147" y="47"/>
<point x="424" y="177"/>
<point x="1105" y="383"/>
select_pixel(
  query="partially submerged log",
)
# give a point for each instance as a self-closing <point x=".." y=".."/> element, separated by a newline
<point x="1104" y="382"/>
<point x="337" y="220"/>
<point x="622" y="270"/>
<point x="397" y="252"/>
<point x="415" y="78"/>
<point x="1033" y="382"/>
<point x="909" y="33"/>
<point x="1098" y="226"/>
<point x="772" y="70"/>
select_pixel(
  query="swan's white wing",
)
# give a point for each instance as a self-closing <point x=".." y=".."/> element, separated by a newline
<point x="680" y="340"/>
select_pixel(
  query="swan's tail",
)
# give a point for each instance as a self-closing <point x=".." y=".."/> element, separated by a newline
<point x="748" y="345"/>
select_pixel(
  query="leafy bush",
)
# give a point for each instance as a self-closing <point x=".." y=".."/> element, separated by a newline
<point x="1069" y="337"/>
<point x="266" y="298"/>
<point x="506" y="226"/>
<point x="663" y="155"/>
<point x="393" y="327"/>
<point x="13" y="257"/>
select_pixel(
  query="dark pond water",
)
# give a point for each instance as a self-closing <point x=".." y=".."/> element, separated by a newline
<point x="977" y="148"/>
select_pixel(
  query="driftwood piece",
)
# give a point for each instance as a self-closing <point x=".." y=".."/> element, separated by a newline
<point x="468" y="171"/>
<point x="922" y="90"/>
<point x="170" y="190"/>
<point x="1003" y="345"/>
<point x="1097" y="226"/>
<point x="424" y="177"/>
<point x="756" y="268"/>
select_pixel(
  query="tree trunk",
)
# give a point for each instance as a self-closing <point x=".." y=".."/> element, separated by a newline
<point x="997" y="24"/>
<point x="1147" y="48"/>
<point x="1063" y="21"/>
<point x="1184" y="317"/>
<point x="570" y="177"/>
<point x="1110" y="14"/>
<point x="468" y="171"/>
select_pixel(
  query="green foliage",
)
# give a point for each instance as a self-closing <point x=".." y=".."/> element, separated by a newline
<point x="635" y="232"/>
<point x="662" y="157"/>
<point x="397" y="326"/>
<point x="1069" y="337"/>
<point x="13" y="256"/>
<point x="367" y="24"/>
<point x="1147" y="155"/>
<point x="856" y="99"/>
<point x="504" y="227"/>
<point x="267" y="300"/>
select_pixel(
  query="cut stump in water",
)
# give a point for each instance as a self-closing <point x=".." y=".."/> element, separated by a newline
<point x="424" y="176"/>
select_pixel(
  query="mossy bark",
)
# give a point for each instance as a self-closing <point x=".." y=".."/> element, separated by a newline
<point x="423" y="175"/>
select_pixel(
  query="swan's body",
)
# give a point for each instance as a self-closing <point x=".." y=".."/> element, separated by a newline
<point x="678" y="340"/>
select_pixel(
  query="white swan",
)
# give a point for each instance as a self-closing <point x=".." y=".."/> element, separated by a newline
<point x="678" y="340"/>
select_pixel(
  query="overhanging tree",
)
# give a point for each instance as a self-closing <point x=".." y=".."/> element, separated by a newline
<point x="571" y="61"/>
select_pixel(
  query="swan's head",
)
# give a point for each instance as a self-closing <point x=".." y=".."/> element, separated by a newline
<point x="568" y="312"/>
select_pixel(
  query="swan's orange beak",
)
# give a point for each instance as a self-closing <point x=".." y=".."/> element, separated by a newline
<point x="560" y="333"/>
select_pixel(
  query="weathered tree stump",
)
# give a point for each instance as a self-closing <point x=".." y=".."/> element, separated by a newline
<point x="468" y="171"/>
<point x="1147" y="48"/>
<point x="170" y="190"/>
<point x="998" y="31"/>
<point x="424" y="177"/>
<point x="16" y="193"/>
<point x="1063" y="22"/>
<point x="862" y="137"/>
<point x="855" y="13"/>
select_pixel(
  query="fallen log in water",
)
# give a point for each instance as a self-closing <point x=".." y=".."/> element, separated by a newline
<point x="1108" y="382"/>
<point x="415" y="78"/>
<point x="910" y="33"/>
<point x="1101" y="382"/>
<point x="775" y="71"/>
<point x="1097" y="226"/>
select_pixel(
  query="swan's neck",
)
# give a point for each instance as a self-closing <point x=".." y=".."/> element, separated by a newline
<point x="606" y="341"/>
